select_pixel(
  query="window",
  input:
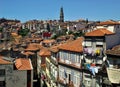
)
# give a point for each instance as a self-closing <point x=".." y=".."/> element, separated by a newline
<point x="88" y="43"/>
<point x="99" y="46"/>
<point x="2" y="72"/>
<point x="61" y="73"/>
<point x="87" y="83"/>
<point x="2" y="83"/>
<point x="76" y="79"/>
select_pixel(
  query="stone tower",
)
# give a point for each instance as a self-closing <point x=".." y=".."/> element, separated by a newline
<point x="61" y="15"/>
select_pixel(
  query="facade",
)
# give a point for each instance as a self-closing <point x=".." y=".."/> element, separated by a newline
<point x="54" y="65"/>
<point x="95" y="44"/>
<point x="44" y="56"/>
<point x="69" y="64"/>
<point x="32" y="47"/>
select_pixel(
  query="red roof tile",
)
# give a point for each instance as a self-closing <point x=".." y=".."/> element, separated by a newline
<point x="49" y="41"/>
<point x="32" y="47"/>
<point x="44" y="52"/>
<point x="99" y="32"/>
<point x="75" y="45"/>
<point x="2" y="61"/>
<point x="109" y="22"/>
<point x="28" y="53"/>
<point x="54" y="48"/>
<point x="23" y="64"/>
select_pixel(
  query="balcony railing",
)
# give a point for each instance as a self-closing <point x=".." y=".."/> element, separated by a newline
<point x="65" y="82"/>
<point x="69" y="63"/>
<point x="53" y="60"/>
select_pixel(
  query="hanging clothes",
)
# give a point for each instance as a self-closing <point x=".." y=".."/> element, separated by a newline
<point x="97" y="52"/>
<point x="85" y="50"/>
<point x="93" y="70"/>
<point x="90" y="50"/>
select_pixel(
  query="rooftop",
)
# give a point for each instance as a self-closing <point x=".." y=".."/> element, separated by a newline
<point x="109" y="22"/>
<point x="75" y="45"/>
<point x="114" y="51"/>
<point x="23" y="64"/>
<point x="3" y="61"/>
<point x="99" y="32"/>
<point x="44" y="52"/>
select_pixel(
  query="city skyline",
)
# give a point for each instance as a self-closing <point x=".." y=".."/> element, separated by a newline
<point x="25" y="10"/>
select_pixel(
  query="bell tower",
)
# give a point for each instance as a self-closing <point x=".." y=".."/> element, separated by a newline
<point x="61" y="15"/>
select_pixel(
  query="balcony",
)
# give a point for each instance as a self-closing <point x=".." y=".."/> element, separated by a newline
<point x="53" y="77"/>
<point x="95" y="55"/>
<point x="54" y="61"/>
<point x="65" y="82"/>
<point x="70" y="64"/>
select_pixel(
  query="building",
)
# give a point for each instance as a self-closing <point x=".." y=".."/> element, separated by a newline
<point x="95" y="44"/>
<point x="16" y="73"/>
<point x="113" y="67"/>
<point x="44" y="56"/>
<point x="69" y="64"/>
<point x="54" y="65"/>
<point x="61" y="15"/>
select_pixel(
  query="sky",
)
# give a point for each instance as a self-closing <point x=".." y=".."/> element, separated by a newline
<point x="24" y="10"/>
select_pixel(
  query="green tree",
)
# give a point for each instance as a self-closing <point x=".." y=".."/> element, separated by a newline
<point x="78" y="34"/>
<point x="70" y="32"/>
<point x="23" y="32"/>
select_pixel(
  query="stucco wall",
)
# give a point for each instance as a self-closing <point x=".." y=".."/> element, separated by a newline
<point x="16" y="79"/>
<point x="112" y="40"/>
<point x="20" y="78"/>
<point x="8" y="75"/>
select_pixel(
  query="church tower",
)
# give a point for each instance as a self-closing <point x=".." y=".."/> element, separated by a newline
<point x="61" y="15"/>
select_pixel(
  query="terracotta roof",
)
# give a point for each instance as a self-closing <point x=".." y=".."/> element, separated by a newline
<point x="23" y="64"/>
<point x="54" y="48"/>
<point x="34" y="38"/>
<point x="44" y="52"/>
<point x="114" y="51"/>
<point x="14" y="34"/>
<point x="32" y="47"/>
<point x="49" y="41"/>
<point x="99" y="32"/>
<point x="2" y="61"/>
<point x="75" y="45"/>
<point x="109" y="22"/>
<point x="39" y="46"/>
<point x="28" y="53"/>
<point x="62" y="37"/>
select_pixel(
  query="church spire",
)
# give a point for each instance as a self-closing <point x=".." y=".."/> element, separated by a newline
<point x="61" y="15"/>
